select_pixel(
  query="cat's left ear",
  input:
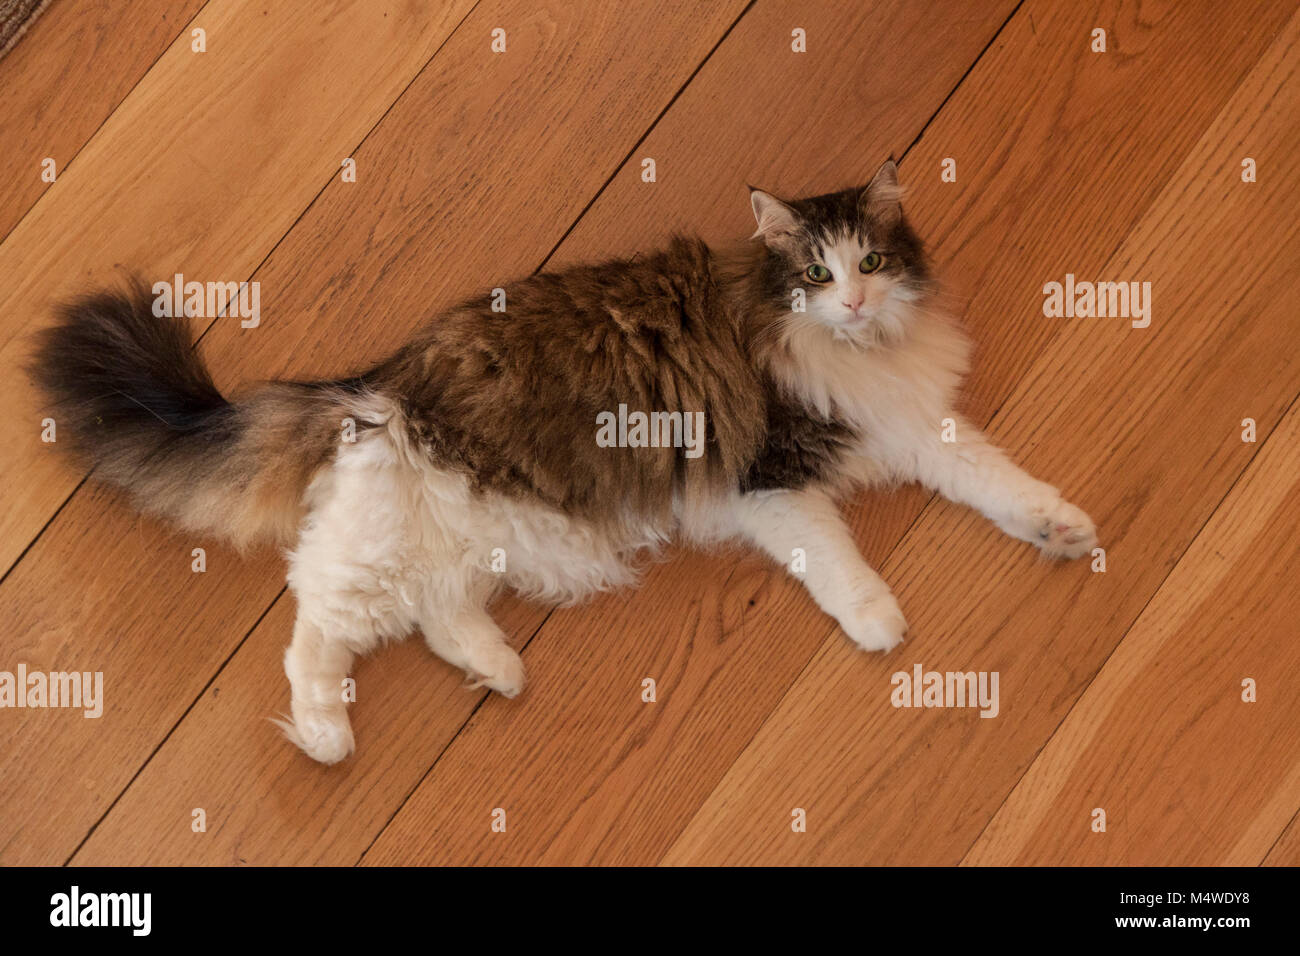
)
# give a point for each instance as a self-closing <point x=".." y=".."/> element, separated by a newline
<point x="777" y="222"/>
<point x="881" y="198"/>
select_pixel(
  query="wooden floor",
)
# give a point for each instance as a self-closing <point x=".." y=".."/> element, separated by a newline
<point x="1120" y="691"/>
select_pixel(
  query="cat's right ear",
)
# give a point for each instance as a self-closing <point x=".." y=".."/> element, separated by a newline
<point x="776" y="221"/>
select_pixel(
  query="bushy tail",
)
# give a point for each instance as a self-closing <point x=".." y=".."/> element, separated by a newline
<point x="130" y="396"/>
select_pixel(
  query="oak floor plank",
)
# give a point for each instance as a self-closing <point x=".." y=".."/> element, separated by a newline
<point x="583" y="745"/>
<point x="457" y="186"/>
<point x="1143" y="426"/>
<point x="1211" y="780"/>
<point x="68" y="73"/>
<point x="201" y="170"/>
<point x="591" y="774"/>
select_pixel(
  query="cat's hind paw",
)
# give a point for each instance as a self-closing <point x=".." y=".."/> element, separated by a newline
<point x="874" y="624"/>
<point x="497" y="667"/>
<point x="322" y="733"/>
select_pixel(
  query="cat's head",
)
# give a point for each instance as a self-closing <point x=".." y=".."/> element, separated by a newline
<point x="857" y="261"/>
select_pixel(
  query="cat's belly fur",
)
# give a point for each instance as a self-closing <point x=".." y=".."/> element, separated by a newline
<point x="392" y="542"/>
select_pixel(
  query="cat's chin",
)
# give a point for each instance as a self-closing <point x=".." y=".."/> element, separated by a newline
<point x="861" y="335"/>
<point x="864" y="331"/>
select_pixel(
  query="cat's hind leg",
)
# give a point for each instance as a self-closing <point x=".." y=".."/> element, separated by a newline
<point x="351" y="598"/>
<point x="468" y="638"/>
<point x="317" y="662"/>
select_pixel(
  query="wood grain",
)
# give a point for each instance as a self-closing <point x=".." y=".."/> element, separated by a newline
<point x="455" y="187"/>
<point x="263" y="801"/>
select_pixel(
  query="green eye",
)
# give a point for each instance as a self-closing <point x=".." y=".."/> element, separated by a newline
<point x="871" y="262"/>
<point x="818" y="273"/>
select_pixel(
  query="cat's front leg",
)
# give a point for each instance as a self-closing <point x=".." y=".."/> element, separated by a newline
<point x="803" y="531"/>
<point x="972" y="471"/>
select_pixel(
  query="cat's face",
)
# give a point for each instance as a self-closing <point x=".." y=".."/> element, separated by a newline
<point x="853" y="255"/>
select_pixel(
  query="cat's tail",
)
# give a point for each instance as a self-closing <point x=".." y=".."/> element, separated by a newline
<point x="131" y="397"/>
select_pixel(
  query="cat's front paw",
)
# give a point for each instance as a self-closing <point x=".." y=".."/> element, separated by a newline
<point x="1062" y="530"/>
<point x="875" y="623"/>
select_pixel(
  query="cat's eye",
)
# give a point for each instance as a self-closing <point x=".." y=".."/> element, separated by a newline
<point x="818" y="273"/>
<point x="870" y="262"/>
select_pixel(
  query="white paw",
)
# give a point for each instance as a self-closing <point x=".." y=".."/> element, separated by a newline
<point x="499" y="668"/>
<point x="322" y="733"/>
<point x="874" y="624"/>
<point x="1063" y="530"/>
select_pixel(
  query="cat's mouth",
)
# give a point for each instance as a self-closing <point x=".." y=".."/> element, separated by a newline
<point x="856" y="320"/>
<point x="861" y="330"/>
<point x="868" y="328"/>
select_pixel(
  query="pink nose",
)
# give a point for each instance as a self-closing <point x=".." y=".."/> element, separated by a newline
<point x="854" y="303"/>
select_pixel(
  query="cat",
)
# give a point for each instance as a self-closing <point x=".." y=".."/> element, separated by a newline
<point x="410" y="494"/>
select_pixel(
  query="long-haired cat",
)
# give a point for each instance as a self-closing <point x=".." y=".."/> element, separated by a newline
<point x="548" y="446"/>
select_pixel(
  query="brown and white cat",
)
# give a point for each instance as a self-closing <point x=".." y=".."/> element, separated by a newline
<point x="473" y="458"/>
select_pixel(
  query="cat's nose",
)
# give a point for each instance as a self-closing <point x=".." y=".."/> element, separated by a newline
<point x="853" y="303"/>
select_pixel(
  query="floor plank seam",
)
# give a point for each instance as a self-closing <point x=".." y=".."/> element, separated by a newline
<point x="32" y="543"/>
<point x="447" y="746"/>
<point x="1142" y="431"/>
<point x="1281" y="833"/>
<point x="953" y="92"/>
<point x="259" y="266"/>
<point x="166" y="737"/>
<point x="649" y="129"/>
<point x="102" y="123"/>
<point x="360" y="143"/>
